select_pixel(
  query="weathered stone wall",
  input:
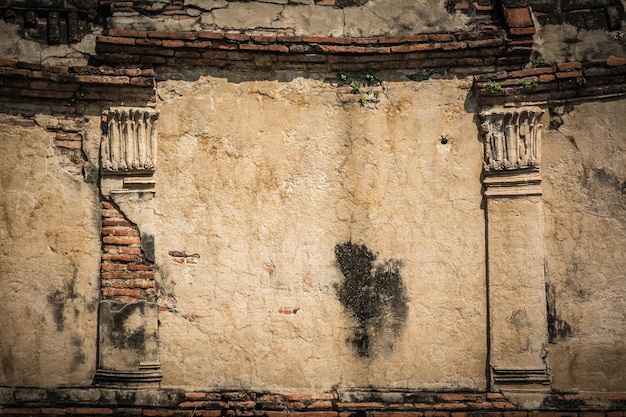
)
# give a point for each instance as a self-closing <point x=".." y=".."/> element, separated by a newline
<point x="241" y="208"/>
<point x="275" y="185"/>
<point x="585" y="182"/>
<point x="49" y="263"/>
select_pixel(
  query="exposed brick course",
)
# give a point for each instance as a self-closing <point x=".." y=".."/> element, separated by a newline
<point x="125" y="275"/>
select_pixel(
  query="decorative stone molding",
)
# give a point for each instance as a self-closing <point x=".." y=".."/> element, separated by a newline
<point x="130" y="143"/>
<point x="512" y="138"/>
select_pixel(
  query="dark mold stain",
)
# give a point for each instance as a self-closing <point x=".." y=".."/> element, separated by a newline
<point x="58" y="298"/>
<point x="147" y="247"/>
<point x="120" y="336"/>
<point x="373" y="293"/>
<point x="604" y="177"/>
<point x="558" y="329"/>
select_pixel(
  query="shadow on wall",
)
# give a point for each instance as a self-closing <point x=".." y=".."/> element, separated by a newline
<point x="374" y="294"/>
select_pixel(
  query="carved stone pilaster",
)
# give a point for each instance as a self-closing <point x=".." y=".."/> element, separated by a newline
<point x="128" y="150"/>
<point x="512" y="138"/>
<point x="516" y="284"/>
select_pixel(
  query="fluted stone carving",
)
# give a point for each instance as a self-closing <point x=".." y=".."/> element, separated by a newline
<point x="130" y="144"/>
<point x="512" y="138"/>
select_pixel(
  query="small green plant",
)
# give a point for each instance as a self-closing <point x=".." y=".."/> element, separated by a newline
<point x="493" y="86"/>
<point x="363" y="100"/>
<point x="376" y="93"/>
<point x="528" y="83"/>
<point x="356" y="87"/>
<point x="343" y="76"/>
<point x="369" y="77"/>
<point x="581" y="80"/>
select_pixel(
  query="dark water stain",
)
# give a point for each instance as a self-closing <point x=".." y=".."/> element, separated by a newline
<point x="373" y="293"/>
<point x="558" y="329"/>
<point x="147" y="246"/>
<point x="58" y="298"/>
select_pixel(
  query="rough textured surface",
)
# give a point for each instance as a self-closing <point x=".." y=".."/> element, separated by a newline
<point x="313" y="171"/>
<point x="585" y="182"/>
<point x="49" y="268"/>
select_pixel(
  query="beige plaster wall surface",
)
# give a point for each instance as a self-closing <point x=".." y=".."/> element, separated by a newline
<point x="584" y="172"/>
<point x="49" y="261"/>
<point x="263" y="179"/>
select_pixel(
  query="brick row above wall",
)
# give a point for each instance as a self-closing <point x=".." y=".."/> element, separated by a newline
<point x="466" y="52"/>
<point x="73" y="85"/>
<point x="564" y="81"/>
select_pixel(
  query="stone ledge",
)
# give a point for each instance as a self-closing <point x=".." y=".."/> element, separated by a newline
<point x="369" y="402"/>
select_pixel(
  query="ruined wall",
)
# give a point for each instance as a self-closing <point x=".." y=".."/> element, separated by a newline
<point x="236" y="208"/>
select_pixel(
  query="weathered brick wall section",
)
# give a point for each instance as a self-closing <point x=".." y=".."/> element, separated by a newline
<point x="126" y="275"/>
<point x="563" y="81"/>
<point x="469" y="52"/>
<point x="70" y="87"/>
<point x="332" y="404"/>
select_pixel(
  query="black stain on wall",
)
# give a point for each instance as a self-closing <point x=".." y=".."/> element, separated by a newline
<point x="58" y="298"/>
<point x="558" y="329"/>
<point x="373" y="293"/>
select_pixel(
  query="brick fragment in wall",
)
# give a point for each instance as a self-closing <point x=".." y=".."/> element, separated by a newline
<point x="126" y="274"/>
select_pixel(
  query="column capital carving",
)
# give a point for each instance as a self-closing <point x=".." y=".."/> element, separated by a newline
<point x="130" y="142"/>
<point x="512" y="138"/>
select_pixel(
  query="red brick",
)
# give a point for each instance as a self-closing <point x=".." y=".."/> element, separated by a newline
<point x="131" y="251"/>
<point x="361" y="405"/>
<point x="485" y="43"/>
<point x="546" y="78"/>
<point x="172" y="35"/>
<point x="198" y="44"/>
<point x="483" y="8"/>
<point x="7" y="63"/>
<point x="149" y="42"/>
<point x="119" y="231"/>
<point x="613" y="61"/>
<point x="567" y="66"/>
<point x="140" y="267"/>
<point x="324" y="2"/>
<point x="142" y="81"/>
<point x="569" y="74"/>
<point x="441" y="37"/>
<point x="127" y="33"/>
<point x="106" y="266"/>
<point x="121" y="291"/>
<point x="173" y="43"/>
<point x="270" y="47"/>
<point x="461" y="397"/>
<point x="529" y="73"/>
<point x="340" y="49"/>
<point x="415" y="47"/>
<point x="518" y="17"/>
<point x="116" y="40"/>
<point x="121" y="240"/>
<point x="68" y="136"/>
<point x="523" y="31"/>
<point x="239" y="37"/>
<point x="327" y="40"/>
<point x="118" y="275"/>
<point x="56" y="69"/>
<point x="116" y="257"/>
<point x="116" y="222"/>
<point x="453" y="45"/>
<point x="53" y="411"/>
<point x="210" y="35"/>
<point x="402" y="39"/>
<point x="8" y="410"/>
<point x="146" y="274"/>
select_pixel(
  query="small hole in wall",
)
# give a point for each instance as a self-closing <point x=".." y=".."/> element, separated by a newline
<point x="443" y="140"/>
